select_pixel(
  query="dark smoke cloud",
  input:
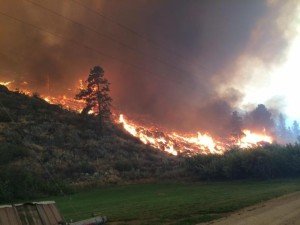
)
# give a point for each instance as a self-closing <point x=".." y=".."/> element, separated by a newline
<point x="181" y="93"/>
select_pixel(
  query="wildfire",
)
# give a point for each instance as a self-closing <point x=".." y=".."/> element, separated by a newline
<point x="171" y="142"/>
<point x="176" y="143"/>
<point x="65" y="102"/>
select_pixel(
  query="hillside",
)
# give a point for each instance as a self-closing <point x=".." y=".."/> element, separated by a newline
<point x="43" y="146"/>
<point x="45" y="149"/>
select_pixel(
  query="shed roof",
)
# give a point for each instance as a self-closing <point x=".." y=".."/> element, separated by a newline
<point x="32" y="213"/>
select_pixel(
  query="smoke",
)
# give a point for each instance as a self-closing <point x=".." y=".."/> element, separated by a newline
<point x="192" y="80"/>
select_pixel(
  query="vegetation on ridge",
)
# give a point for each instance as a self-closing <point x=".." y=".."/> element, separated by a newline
<point x="38" y="139"/>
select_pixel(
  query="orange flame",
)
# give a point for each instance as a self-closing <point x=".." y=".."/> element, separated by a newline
<point x="251" y="139"/>
<point x="159" y="142"/>
<point x="7" y="83"/>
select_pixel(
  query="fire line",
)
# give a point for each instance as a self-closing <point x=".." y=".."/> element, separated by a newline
<point x="174" y="143"/>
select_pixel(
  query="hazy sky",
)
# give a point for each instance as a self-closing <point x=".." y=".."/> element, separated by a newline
<point x="184" y="64"/>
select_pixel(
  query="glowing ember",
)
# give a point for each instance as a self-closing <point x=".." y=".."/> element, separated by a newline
<point x="171" y="150"/>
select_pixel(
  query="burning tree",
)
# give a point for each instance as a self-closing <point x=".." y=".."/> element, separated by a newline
<point x="96" y="95"/>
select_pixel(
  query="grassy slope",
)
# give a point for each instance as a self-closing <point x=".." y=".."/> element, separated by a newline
<point x="172" y="203"/>
<point x="70" y="146"/>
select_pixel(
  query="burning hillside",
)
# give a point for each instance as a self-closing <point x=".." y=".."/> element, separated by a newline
<point x="173" y="142"/>
<point x="203" y="82"/>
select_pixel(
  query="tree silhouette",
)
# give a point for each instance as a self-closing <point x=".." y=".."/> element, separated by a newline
<point x="261" y="119"/>
<point x="296" y="130"/>
<point x="236" y="123"/>
<point x="96" y="95"/>
<point x="283" y="131"/>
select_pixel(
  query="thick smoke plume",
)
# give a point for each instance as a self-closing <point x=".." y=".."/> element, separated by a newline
<point x="177" y="65"/>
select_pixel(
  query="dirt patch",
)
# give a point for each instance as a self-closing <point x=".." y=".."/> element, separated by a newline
<point x="284" y="210"/>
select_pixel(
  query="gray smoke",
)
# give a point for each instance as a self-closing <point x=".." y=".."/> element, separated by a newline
<point x="176" y="84"/>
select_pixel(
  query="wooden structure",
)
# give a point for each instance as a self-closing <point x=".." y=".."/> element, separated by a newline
<point x="35" y="213"/>
<point x="39" y="213"/>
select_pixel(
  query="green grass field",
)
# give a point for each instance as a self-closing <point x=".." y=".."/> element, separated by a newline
<point x="171" y="203"/>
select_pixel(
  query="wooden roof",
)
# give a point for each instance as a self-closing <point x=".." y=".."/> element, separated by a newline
<point x="34" y="213"/>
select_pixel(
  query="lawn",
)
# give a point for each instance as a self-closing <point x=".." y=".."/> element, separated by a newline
<point x="171" y="203"/>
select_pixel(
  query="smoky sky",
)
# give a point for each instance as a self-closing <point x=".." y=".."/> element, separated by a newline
<point x="166" y="60"/>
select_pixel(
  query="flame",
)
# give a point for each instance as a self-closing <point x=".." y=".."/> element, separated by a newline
<point x="172" y="142"/>
<point x="81" y="84"/>
<point x="249" y="139"/>
<point x="129" y="128"/>
<point x="6" y="83"/>
<point x="159" y="142"/>
<point x="202" y="140"/>
<point x="65" y="102"/>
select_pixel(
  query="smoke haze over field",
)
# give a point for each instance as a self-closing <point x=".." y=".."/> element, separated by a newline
<point x="193" y="79"/>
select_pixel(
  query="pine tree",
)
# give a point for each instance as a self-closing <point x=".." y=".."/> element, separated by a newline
<point x="96" y="95"/>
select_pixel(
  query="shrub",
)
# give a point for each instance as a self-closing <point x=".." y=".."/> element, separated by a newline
<point x="10" y="152"/>
<point x="263" y="163"/>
